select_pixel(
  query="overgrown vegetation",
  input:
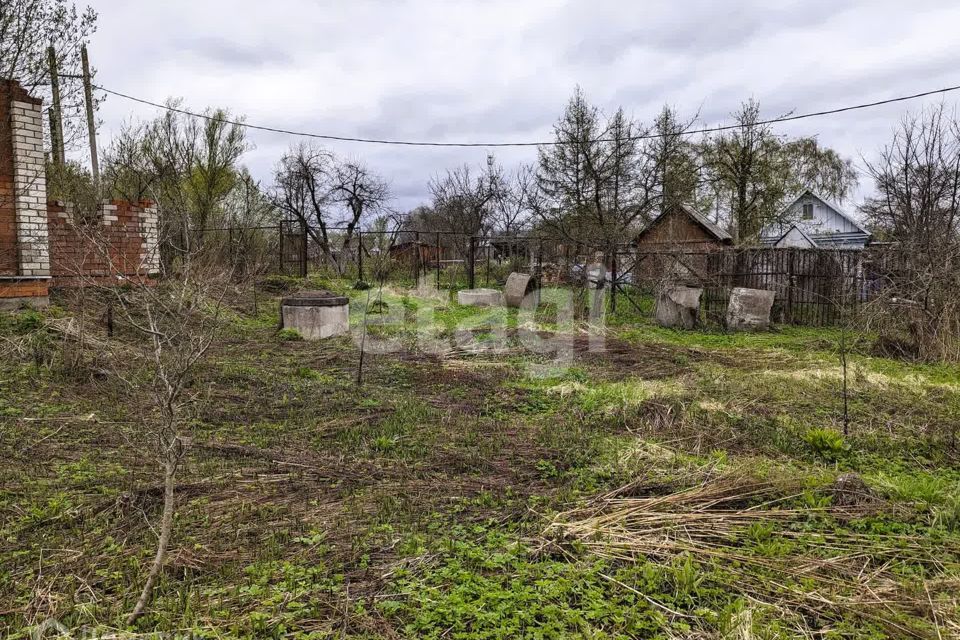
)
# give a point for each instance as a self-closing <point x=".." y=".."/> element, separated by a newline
<point x="670" y="485"/>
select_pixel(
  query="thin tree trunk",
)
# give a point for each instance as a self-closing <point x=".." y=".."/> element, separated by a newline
<point x="166" y="529"/>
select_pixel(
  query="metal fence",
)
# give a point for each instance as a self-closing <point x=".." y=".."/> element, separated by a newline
<point x="813" y="286"/>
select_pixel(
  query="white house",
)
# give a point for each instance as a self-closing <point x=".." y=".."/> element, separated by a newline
<point x="813" y="221"/>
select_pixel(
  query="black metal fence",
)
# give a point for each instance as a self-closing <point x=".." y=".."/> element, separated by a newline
<point x="813" y="286"/>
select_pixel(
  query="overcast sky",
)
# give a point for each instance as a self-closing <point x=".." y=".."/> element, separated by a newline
<point x="499" y="70"/>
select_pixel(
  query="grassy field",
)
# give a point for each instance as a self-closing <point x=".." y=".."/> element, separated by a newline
<point x="663" y="485"/>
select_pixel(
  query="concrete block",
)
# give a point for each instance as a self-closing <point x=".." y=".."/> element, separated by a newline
<point x="479" y="297"/>
<point x="25" y="302"/>
<point x="678" y="307"/>
<point x="316" y="315"/>
<point x="749" y="309"/>
<point x="521" y="290"/>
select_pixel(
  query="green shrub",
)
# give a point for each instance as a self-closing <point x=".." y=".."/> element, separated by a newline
<point x="827" y="443"/>
<point x="289" y="335"/>
<point x="379" y="306"/>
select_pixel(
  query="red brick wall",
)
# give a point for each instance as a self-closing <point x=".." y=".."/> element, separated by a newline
<point x="102" y="250"/>
<point x="23" y="288"/>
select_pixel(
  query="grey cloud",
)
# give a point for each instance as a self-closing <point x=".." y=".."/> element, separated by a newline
<point x="499" y="70"/>
<point x="227" y="53"/>
<point x="695" y="28"/>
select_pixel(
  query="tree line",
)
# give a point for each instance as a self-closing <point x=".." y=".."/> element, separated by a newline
<point x="603" y="178"/>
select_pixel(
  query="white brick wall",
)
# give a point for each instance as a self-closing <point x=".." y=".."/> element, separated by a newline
<point x="30" y="188"/>
<point x="150" y="228"/>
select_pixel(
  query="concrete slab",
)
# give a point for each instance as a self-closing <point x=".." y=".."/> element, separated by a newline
<point x="479" y="297"/>
<point x="678" y="307"/>
<point x="521" y="290"/>
<point x="749" y="309"/>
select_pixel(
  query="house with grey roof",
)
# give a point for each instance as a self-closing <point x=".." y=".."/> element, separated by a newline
<point x="812" y="221"/>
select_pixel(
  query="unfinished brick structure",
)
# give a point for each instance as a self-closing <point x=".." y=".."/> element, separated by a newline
<point x="41" y="244"/>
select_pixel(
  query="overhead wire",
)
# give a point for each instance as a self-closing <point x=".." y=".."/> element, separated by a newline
<point x="428" y="143"/>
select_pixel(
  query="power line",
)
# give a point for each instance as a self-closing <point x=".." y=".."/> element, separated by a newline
<point x="415" y="143"/>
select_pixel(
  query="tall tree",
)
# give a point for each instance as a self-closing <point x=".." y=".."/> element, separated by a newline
<point x="748" y="166"/>
<point x="820" y="168"/>
<point x="218" y="145"/>
<point x="676" y="160"/>
<point x="360" y="192"/>
<point x="27" y="29"/>
<point x="327" y="195"/>
<point x="755" y="171"/>
<point x="189" y="166"/>
<point x="300" y="190"/>
<point x="513" y="202"/>
<point x="464" y="198"/>
<point x="594" y="185"/>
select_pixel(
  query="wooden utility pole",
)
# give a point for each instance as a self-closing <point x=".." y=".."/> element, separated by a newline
<point x="56" y="116"/>
<point x="91" y="123"/>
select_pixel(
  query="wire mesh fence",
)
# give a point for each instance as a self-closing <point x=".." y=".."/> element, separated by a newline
<point x="812" y="286"/>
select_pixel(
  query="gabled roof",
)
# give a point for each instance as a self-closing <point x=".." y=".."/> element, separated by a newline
<point x="800" y="231"/>
<point x="701" y="220"/>
<point x="836" y="208"/>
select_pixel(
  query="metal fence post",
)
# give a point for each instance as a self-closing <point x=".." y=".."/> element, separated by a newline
<point x="438" y="260"/>
<point x="416" y="258"/>
<point x="487" y="249"/>
<point x="280" y="245"/>
<point x="613" y="280"/>
<point x="359" y="255"/>
<point x="471" y="261"/>
<point x="303" y="250"/>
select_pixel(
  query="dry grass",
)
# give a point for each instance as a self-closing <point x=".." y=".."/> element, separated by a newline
<point x="816" y="574"/>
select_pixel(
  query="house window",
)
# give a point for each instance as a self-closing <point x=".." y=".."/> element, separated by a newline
<point x="808" y="211"/>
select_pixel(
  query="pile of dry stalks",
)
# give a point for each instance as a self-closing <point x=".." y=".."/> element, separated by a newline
<point x="828" y="574"/>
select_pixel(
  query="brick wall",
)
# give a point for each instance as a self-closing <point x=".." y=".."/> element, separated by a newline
<point x="9" y="91"/>
<point x="122" y="243"/>
<point x="41" y="244"/>
<point x="30" y="186"/>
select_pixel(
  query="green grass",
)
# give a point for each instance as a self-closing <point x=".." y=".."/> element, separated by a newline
<point x="417" y="505"/>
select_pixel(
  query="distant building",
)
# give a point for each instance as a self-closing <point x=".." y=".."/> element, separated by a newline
<point x="812" y="221"/>
<point x="676" y="247"/>
<point x="416" y="252"/>
<point x="682" y="225"/>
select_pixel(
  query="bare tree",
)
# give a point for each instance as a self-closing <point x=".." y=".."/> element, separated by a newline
<point x="675" y="159"/>
<point x="464" y="199"/>
<point x="917" y="207"/>
<point x="178" y="319"/>
<point x="27" y="29"/>
<point x="301" y="190"/>
<point x="514" y="202"/>
<point x="360" y="192"/>
<point x="171" y="321"/>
